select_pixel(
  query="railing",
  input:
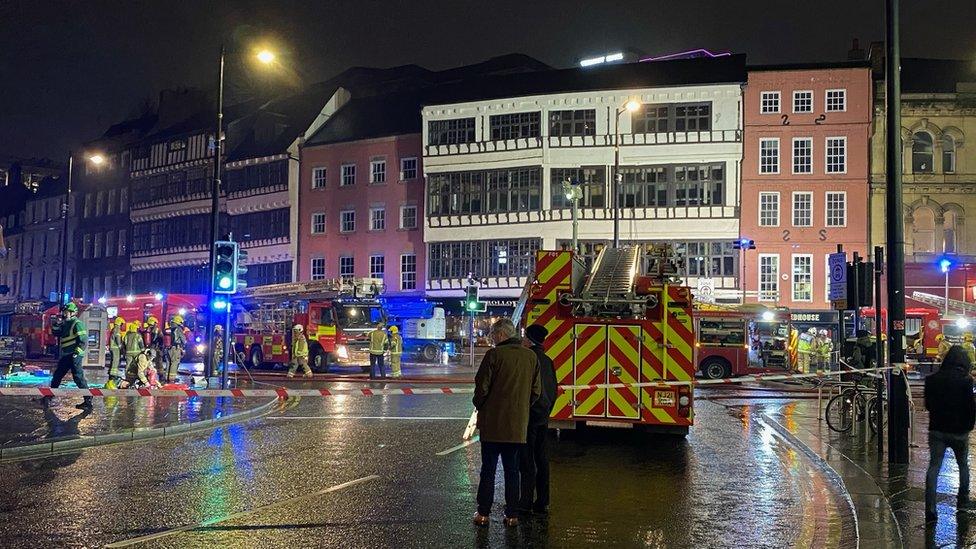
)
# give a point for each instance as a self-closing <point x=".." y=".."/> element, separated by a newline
<point x="627" y="139"/>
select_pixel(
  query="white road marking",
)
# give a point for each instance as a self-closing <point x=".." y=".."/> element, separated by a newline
<point x="211" y="522"/>
<point x="400" y="418"/>
<point x="459" y="446"/>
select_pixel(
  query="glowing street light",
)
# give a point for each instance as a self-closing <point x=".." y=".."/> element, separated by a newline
<point x="96" y="159"/>
<point x="633" y="105"/>
<point x="266" y="56"/>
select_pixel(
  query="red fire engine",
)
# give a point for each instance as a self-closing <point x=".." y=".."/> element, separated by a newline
<point x="615" y="327"/>
<point x="737" y="340"/>
<point x="923" y="324"/>
<point x="337" y="316"/>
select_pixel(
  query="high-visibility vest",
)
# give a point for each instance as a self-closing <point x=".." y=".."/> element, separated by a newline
<point x="377" y="342"/>
<point x="72" y="337"/>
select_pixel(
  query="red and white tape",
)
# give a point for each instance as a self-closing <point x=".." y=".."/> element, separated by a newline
<point x="284" y="393"/>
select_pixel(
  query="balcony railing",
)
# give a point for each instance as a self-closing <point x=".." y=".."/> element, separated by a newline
<point x="627" y="139"/>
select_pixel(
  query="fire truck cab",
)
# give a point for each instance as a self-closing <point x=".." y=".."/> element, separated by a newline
<point x="613" y="326"/>
<point x="337" y="316"/>
<point x="736" y="340"/>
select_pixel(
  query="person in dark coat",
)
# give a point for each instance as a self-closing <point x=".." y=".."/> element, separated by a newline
<point x="534" y="457"/>
<point x="952" y="414"/>
<point x="506" y="385"/>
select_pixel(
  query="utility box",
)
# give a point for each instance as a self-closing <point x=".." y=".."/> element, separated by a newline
<point x="95" y="319"/>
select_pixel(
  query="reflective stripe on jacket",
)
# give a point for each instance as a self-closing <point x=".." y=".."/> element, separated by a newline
<point x="72" y="337"/>
<point x="299" y="345"/>
<point x="377" y="342"/>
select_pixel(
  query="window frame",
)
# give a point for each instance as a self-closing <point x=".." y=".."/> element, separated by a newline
<point x="509" y="126"/>
<point x="809" y="157"/>
<point x="324" y="180"/>
<point x="557" y="121"/>
<point x="827" y="208"/>
<point x="403" y="168"/>
<point x="763" y="140"/>
<point x="769" y="98"/>
<point x="775" y="291"/>
<point x="827" y="93"/>
<point x="342" y="221"/>
<point x="827" y="140"/>
<point x="343" y="175"/>
<point x="778" y="203"/>
<point x="312" y="266"/>
<point x="416" y="217"/>
<point x="404" y="272"/>
<point x="794" y="277"/>
<point x="374" y="173"/>
<point x="313" y="224"/>
<point x="795" y="93"/>
<point x="793" y="208"/>
<point x="373" y="217"/>
<point x="373" y="264"/>
<point x="950" y="153"/>
<point x="344" y="262"/>
<point x="452" y="131"/>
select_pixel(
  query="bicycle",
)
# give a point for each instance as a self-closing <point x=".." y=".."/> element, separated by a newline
<point x="852" y="404"/>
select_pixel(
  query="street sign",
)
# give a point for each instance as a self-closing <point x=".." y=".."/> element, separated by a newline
<point x="706" y="290"/>
<point x="837" y="264"/>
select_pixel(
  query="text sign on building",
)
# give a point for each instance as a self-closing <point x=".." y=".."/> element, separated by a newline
<point x="837" y="263"/>
<point x="706" y="290"/>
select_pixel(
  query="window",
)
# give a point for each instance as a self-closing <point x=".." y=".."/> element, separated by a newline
<point x="802" y="101"/>
<point x="347" y="221"/>
<point x="123" y="200"/>
<point x="408" y="272"/>
<point x="769" y="102"/>
<point x="692" y="117"/>
<point x="495" y="258"/>
<point x="99" y="204"/>
<point x="711" y="259"/>
<point x="922" y="148"/>
<point x="489" y="191"/>
<point x="377" y="266"/>
<point x="836" y="154"/>
<point x="318" y="223"/>
<point x="572" y="123"/>
<point x="110" y="243"/>
<point x="836" y="209"/>
<point x="651" y="119"/>
<point x="802" y="155"/>
<point x="348" y="175"/>
<point x="769" y="155"/>
<point x="769" y="209"/>
<point x="347" y="267"/>
<point x="802" y="209"/>
<point x="836" y="100"/>
<point x="86" y="250"/>
<point x="408" y="168"/>
<point x="89" y="202"/>
<point x="948" y="154"/>
<point x="112" y="202"/>
<point x="673" y="185"/>
<point x="592" y="182"/>
<point x="265" y="225"/>
<point x="768" y="277"/>
<point x="408" y="217"/>
<point x="377" y="219"/>
<point x="377" y="171"/>
<point x="318" y="178"/>
<point x="450" y="132"/>
<point x="802" y="277"/>
<point x="123" y="242"/>
<point x="694" y="186"/>
<point x="318" y="268"/>
<point x="514" y="126"/>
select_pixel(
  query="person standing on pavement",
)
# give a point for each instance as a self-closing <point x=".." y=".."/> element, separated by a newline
<point x="134" y="345"/>
<point x="378" y="344"/>
<point x="299" y="352"/>
<point x="154" y="340"/>
<point x="952" y="414"/>
<point x="534" y="457"/>
<point x="72" y="339"/>
<point x="115" y="352"/>
<point x="218" y="350"/>
<point x="506" y="385"/>
<point x="943" y="348"/>
<point x="967" y="344"/>
<point x="177" y="344"/>
<point x="396" y="351"/>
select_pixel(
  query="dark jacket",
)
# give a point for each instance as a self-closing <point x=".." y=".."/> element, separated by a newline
<point x="541" y="408"/>
<point x="949" y="395"/>
<point x="506" y="384"/>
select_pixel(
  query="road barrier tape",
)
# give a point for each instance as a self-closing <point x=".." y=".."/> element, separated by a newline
<point x="284" y="393"/>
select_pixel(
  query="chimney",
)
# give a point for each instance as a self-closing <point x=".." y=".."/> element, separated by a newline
<point x="855" y="53"/>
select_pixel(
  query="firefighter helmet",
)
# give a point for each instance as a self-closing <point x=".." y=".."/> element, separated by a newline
<point x="133" y="327"/>
<point x="812" y="331"/>
<point x="394" y="330"/>
<point x="968" y="336"/>
<point x="178" y="319"/>
<point x="939" y="337"/>
<point x="71" y="307"/>
<point x="219" y="328"/>
<point x="298" y="328"/>
<point x="152" y="321"/>
<point x="119" y="321"/>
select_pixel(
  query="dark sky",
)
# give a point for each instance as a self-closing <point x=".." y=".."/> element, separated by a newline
<point x="72" y="68"/>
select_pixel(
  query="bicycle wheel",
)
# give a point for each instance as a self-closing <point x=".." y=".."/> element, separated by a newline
<point x="876" y="419"/>
<point x="841" y="410"/>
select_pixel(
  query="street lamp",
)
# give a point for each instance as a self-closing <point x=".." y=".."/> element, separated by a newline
<point x="96" y="159"/>
<point x="945" y="265"/>
<point x="744" y="244"/>
<point x="266" y="56"/>
<point x="632" y="105"/>
<point x="574" y="193"/>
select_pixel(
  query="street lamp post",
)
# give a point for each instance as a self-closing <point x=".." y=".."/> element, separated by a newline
<point x="574" y="193"/>
<point x="946" y="265"/>
<point x="632" y="105"/>
<point x="63" y="286"/>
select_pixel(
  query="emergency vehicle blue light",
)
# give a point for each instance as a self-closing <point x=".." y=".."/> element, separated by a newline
<point x="219" y="304"/>
<point x="158" y="296"/>
<point x="945" y="264"/>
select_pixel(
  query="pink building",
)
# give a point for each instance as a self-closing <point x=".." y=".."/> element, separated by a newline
<point x="805" y="175"/>
<point x="361" y="197"/>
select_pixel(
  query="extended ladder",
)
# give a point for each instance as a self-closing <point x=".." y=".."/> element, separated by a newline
<point x="959" y="307"/>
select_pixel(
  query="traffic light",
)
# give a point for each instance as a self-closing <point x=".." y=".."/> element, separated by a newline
<point x="241" y="268"/>
<point x="744" y="244"/>
<point x="225" y="267"/>
<point x="471" y="303"/>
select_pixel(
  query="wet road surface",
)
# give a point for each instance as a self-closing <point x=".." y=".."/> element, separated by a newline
<point x="365" y="472"/>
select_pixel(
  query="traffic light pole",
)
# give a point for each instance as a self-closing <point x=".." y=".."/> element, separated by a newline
<point x="878" y="344"/>
<point x="209" y="365"/>
<point x="471" y="338"/>
<point x="898" y="415"/>
<point x="228" y="352"/>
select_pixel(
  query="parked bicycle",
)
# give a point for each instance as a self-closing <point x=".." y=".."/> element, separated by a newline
<point x="852" y="404"/>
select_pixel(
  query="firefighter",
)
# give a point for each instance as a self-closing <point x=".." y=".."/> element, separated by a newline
<point x="967" y="343"/>
<point x="396" y="351"/>
<point x="825" y="348"/>
<point x="115" y="351"/>
<point x="805" y="350"/>
<point x="218" y="348"/>
<point x="299" y="352"/>
<point x="177" y="346"/>
<point x="154" y="341"/>
<point x="378" y="344"/>
<point x="72" y="339"/>
<point x="133" y="344"/>
<point x="944" y="347"/>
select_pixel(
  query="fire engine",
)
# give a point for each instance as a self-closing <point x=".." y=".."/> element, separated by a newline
<point x="613" y="326"/>
<point x="337" y="315"/>
<point x="35" y="326"/>
<point x="735" y="340"/>
<point x="923" y="324"/>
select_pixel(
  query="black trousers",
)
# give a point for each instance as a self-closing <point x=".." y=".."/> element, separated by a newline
<point x="534" y="468"/>
<point x="509" y="453"/>
<point x="70" y="363"/>
<point x="376" y="365"/>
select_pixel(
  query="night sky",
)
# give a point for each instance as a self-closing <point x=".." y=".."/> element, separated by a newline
<point x="72" y="68"/>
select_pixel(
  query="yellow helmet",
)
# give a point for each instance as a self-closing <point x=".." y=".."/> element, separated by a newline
<point x="394" y="329"/>
<point x="119" y="321"/>
<point x="177" y="319"/>
<point x="133" y="327"/>
<point x="152" y="321"/>
<point x="939" y="337"/>
<point x="967" y="336"/>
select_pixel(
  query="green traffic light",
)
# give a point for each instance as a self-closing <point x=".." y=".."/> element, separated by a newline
<point x="224" y="282"/>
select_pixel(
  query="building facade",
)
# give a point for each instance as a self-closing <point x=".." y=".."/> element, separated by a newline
<point x="40" y="250"/>
<point x="495" y="162"/>
<point x="13" y="217"/>
<point x="938" y="116"/>
<point x="804" y="177"/>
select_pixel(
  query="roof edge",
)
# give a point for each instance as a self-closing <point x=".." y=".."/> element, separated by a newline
<point x="856" y="64"/>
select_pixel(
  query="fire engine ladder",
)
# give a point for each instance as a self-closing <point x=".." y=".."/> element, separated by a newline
<point x="522" y="300"/>
<point x="364" y="287"/>
<point x="956" y="306"/>
<point x="613" y="274"/>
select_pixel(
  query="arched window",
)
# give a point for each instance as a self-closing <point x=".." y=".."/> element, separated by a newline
<point x="948" y="154"/>
<point x="922" y="152"/>
<point x="924" y="233"/>
<point x="949" y="243"/>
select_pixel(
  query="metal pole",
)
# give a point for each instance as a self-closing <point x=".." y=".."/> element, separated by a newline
<point x="215" y="215"/>
<point x="575" y="224"/>
<point x="895" y="237"/>
<point x="878" y="345"/>
<point x="744" y="287"/>
<point x="855" y="300"/>
<point x="946" y="314"/>
<point x="840" y="323"/>
<point x="63" y="286"/>
<point x="471" y="339"/>
<point x="227" y="351"/>
<point x="616" y="182"/>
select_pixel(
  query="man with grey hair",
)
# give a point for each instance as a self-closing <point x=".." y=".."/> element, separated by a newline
<point x="506" y="385"/>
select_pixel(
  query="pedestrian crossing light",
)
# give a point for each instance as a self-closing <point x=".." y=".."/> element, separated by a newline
<point x="240" y="268"/>
<point x="225" y="267"/>
<point x="471" y="303"/>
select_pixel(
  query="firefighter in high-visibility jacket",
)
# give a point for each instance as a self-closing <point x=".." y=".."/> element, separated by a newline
<point x="72" y="340"/>
<point x="396" y="351"/>
<point x="177" y="346"/>
<point x="967" y="343"/>
<point x="378" y="344"/>
<point x="804" y="350"/>
<point x="133" y="344"/>
<point x="218" y="349"/>
<point x="944" y="347"/>
<point x="299" y="352"/>
<point x="115" y="351"/>
<point x="154" y="341"/>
